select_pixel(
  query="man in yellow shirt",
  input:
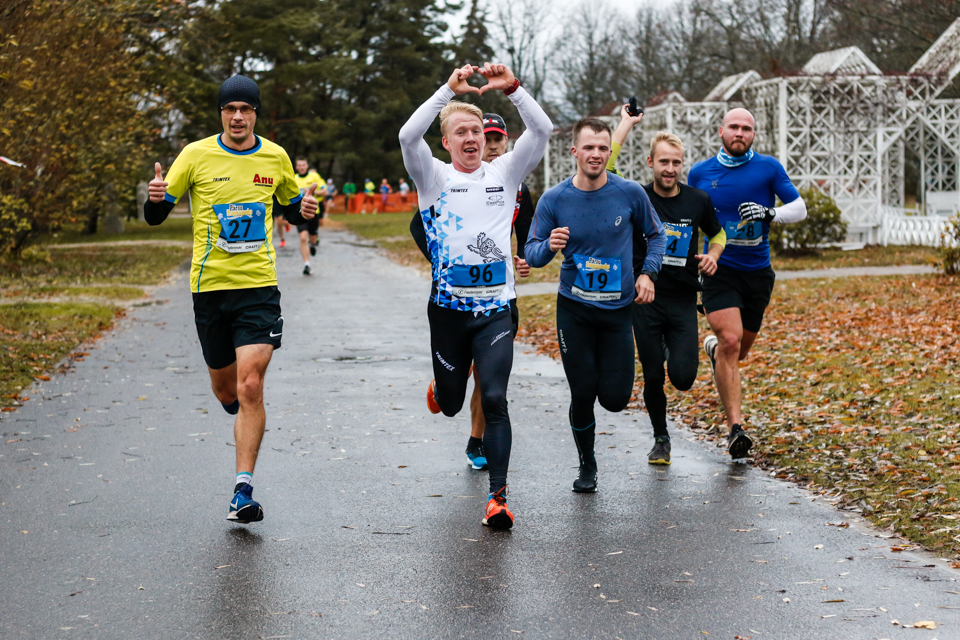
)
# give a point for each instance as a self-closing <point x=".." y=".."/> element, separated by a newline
<point x="233" y="179"/>
<point x="309" y="240"/>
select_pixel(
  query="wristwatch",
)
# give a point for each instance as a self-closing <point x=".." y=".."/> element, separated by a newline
<point x="650" y="274"/>
<point x="513" y="87"/>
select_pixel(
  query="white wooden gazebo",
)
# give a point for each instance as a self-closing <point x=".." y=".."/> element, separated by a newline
<point x="841" y="126"/>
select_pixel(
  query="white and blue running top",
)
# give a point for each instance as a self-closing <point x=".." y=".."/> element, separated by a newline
<point x="468" y="216"/>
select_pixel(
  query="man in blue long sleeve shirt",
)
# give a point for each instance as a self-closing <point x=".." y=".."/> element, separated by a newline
<point x="592" y="217"/>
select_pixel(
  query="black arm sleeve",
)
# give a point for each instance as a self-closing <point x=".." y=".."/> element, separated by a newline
<point x="419" y="236"/>
<point x="156" y="212"/>
<point x="291" y="212"/>
<point x="521" y="225"/>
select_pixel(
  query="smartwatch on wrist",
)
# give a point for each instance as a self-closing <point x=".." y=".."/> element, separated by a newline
<point x="650" y="274"/>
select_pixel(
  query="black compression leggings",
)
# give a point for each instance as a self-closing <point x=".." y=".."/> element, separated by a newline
<point x="670" y="320"/>
<point x="456" y="339"/>
<point x="596" y="346"/>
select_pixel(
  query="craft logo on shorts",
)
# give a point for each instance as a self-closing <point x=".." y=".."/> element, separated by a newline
<point x="262" y="181"/>
<point x="593" y="264"/>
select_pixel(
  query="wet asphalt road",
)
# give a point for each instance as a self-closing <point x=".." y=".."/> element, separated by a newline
<point x="115" y="481"/>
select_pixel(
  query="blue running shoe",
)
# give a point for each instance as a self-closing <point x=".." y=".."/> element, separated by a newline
<point x="243" y="508"/>
<point x="477" y="458"/>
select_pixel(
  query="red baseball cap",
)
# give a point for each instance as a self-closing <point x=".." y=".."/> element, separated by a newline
<point x="493" y="122"/>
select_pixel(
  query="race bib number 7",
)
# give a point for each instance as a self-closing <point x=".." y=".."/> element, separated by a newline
<point x="242" y="226"/>
<point x="743" y="234"/>
<point x="485" y="280"/>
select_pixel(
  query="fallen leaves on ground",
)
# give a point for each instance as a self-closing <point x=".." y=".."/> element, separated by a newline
<point x="852" y="390"/>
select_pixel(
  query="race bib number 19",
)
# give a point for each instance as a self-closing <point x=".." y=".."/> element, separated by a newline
<point x="242" y="226"/>
<point x="485" y="280"/>
<point x="678" y="243"/>
<point x="748" y="235"/>
<point x="598" y="279"/>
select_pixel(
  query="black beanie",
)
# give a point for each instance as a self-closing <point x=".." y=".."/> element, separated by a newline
<point x="240" y="89"/>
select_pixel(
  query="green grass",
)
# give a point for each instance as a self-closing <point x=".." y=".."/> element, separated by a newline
<point x="97" y="264"/>
<point x="35" y="336"/>
<point x="171" y="229"/>
<point x="871" y="256"/>
<point x="111" y="292"/>
<point x="86" y="281"/>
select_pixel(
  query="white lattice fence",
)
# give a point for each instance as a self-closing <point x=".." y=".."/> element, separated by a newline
<point x="896" y="228"/>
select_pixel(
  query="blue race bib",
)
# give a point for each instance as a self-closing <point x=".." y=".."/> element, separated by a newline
<point x="242" y="226"/>
<point x="748" y="235"/>
<point x="598" y="279"/>
<point x="678" y="243"/>
<point x="485" y="280"/>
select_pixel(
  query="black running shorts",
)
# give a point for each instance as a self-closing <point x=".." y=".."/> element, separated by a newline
<point x="748" y="291"/>
<point x="234" y="318"/>
<point x="311" y="225"/>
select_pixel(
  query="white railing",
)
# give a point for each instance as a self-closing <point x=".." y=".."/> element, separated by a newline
<point x="897" y="228"/>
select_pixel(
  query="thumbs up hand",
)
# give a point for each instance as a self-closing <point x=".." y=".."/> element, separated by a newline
<point x="309" y="204"/>
<point x="157" y="188"/>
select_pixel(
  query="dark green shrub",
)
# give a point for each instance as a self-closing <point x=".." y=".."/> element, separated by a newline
<point x="823" y="225"/>
<point x="950" y="246"/>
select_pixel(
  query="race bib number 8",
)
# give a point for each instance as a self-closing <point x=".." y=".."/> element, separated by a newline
<point x="598" y="279"/>
<point x="749" y="235"/>
<point x="485" y="280"/>
<point x="242" y="226"/>
<point x="678" y="244"/>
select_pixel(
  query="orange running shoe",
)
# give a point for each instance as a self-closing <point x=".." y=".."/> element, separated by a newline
<point x="283" y="242"/>
<point x="498" y="516"/>
<point x="432" y="397"/>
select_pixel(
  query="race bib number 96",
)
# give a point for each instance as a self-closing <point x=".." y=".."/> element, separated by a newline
<point x="748" y="235"/>
<point x="485" y="280"/>
<point x="242" y="226"/>
<point x="598" y="279"/>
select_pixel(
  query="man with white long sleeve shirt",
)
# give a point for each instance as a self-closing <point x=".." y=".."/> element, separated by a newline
<point x="467" y="211"/>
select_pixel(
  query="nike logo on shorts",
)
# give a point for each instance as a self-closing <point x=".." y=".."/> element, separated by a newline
<point x="275" y="335"/>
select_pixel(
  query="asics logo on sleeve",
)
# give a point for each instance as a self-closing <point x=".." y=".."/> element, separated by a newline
<point x="619" y="220"/>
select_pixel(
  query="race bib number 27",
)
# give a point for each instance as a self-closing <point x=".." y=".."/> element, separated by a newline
<point x="242" y="226"/>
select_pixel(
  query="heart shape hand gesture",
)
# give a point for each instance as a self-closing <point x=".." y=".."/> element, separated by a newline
<point x="499" y="77"/>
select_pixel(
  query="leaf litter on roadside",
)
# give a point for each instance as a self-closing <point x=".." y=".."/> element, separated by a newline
<point x="853" y="390"/>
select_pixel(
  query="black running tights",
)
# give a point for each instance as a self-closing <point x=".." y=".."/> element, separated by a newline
<point x="669" y="320"/>
<point x="596" y="346"/>
<point x="458" y="338"/>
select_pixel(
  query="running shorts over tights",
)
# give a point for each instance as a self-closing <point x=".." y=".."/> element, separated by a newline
<point x="596" y="346"/>
<point x="458" y="338"/>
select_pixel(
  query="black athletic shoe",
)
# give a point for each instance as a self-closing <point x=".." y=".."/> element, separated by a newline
<point x="739" y="443"/>
<point x="660" y="454"/>
<point x="313" y="249"/>
<point x="306" y="269"/>
<point x="587" y="480"/>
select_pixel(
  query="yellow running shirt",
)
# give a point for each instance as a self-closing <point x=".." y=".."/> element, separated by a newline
<point x="312" y="176"/>
<point x="232" y="207"/>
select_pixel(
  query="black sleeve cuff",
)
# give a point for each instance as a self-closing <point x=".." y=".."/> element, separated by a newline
<point x="156" y="212"/>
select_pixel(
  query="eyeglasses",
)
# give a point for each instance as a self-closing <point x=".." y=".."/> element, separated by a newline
<point x="231" y="110"/>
